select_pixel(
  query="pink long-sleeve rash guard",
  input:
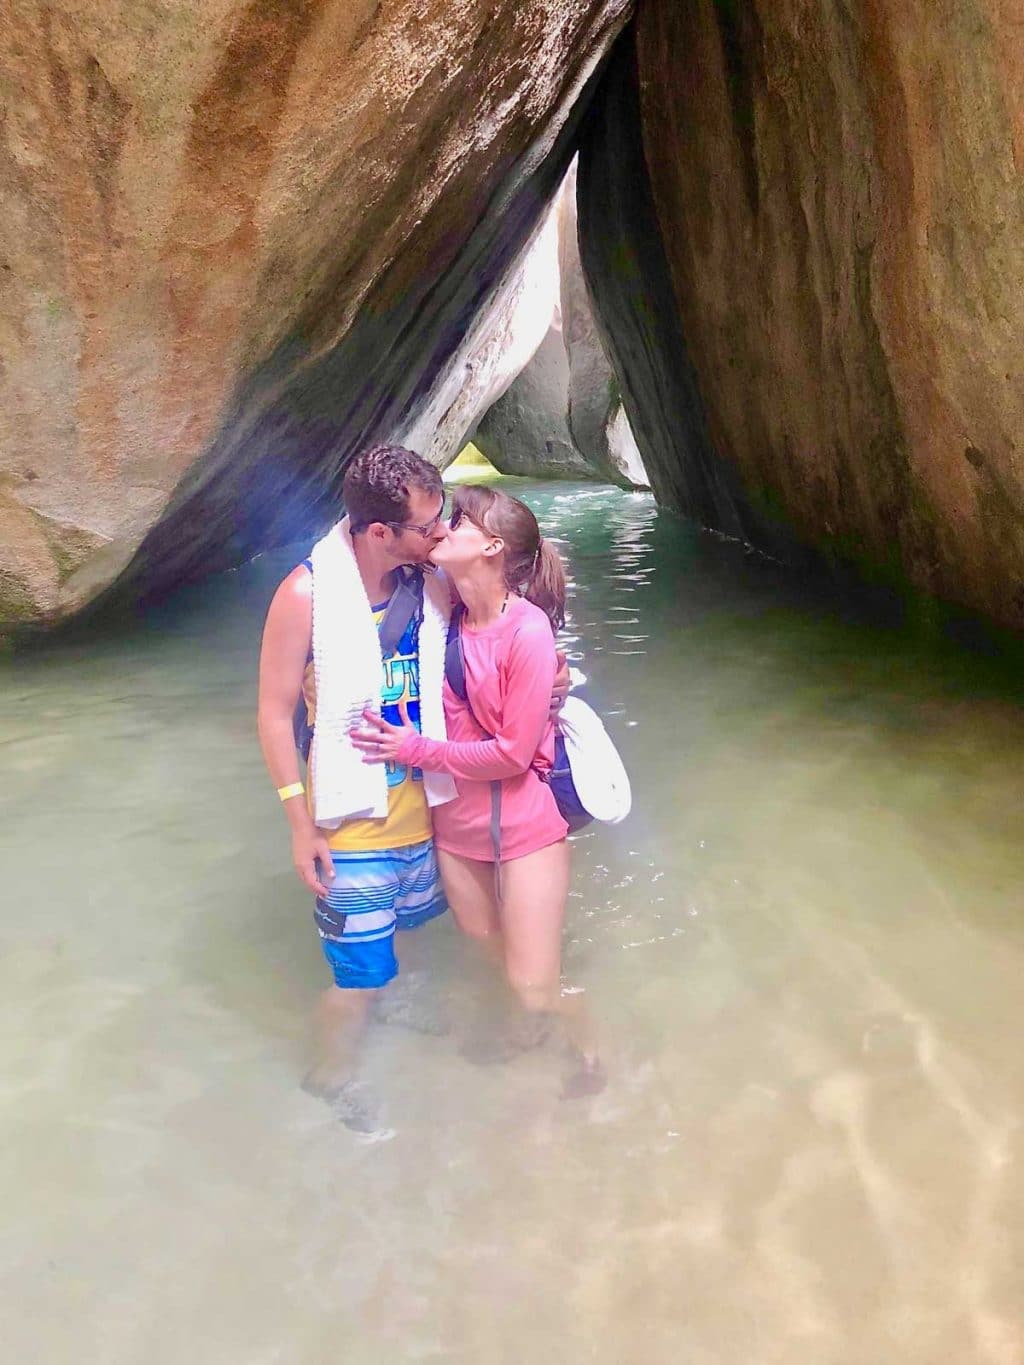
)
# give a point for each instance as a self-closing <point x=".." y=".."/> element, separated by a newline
<point x="510" y="670"/>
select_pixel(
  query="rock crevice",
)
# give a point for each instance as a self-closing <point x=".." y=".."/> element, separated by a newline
<point x="820" y="311"/>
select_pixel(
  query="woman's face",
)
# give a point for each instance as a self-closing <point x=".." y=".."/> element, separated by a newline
<point x="465" y="543"/>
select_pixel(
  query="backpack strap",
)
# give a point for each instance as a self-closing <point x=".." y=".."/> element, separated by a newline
<point x="406" y="602"/>
<point x="455" y="673"/>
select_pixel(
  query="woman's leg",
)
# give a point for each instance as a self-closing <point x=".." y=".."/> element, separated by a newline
<point x="534" y="892"/>
<point x="472" y="899"/>
<point x="469" y="886"/>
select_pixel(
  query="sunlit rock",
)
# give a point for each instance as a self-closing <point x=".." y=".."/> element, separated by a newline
<point x="241" y="240"/>
<point x="562" y="414"/>
<point x="499" y="344"/>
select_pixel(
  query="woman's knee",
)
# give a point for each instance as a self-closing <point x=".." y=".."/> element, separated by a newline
<point x="535" y="996"/>
<point x="481" y="927"/>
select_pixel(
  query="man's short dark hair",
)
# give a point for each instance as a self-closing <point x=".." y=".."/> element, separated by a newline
<point x="378" y="481"/>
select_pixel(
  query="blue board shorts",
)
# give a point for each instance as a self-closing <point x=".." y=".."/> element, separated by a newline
<point x="373" y="894"/>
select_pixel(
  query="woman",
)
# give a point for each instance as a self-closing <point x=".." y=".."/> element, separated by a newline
<point x="512" y="589"/>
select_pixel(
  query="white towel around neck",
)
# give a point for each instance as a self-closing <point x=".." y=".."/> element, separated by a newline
<point x="349" y="673"/>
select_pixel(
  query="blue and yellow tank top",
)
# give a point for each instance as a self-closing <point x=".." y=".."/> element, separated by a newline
<point x="408" y="817"/>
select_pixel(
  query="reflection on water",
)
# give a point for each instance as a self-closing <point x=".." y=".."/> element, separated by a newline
<point x="806" y="946"/>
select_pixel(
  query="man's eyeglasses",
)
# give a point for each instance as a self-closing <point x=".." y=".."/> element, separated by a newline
<point x="426" y="530"/>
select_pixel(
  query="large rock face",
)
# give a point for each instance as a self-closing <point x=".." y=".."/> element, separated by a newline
<point x="626" y="265"/>
<point x="529" y="381"/>
<point x="239" y="241"/>
<point x="242" y="239"/>
<point x="836" y="211"/>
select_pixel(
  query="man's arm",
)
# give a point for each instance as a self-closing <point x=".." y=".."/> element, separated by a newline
<point x="287" y="635"/>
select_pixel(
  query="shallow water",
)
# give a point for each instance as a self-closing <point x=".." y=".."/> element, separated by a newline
<point x="805" y="947"/>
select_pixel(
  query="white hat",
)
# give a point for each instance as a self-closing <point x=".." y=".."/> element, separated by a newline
<point x="597" y="771"/>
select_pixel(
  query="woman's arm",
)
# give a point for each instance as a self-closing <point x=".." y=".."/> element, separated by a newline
<point x="530" y="673"/>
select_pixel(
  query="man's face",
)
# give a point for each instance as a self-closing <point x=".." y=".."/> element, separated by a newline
<point x="411" y="544"/>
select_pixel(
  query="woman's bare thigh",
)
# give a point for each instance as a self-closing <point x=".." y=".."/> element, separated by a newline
<point x="469" y="886"/>
<point x="534" y="892"/>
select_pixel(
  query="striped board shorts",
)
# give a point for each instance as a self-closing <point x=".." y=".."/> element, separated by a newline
<point x="374" y="893"/>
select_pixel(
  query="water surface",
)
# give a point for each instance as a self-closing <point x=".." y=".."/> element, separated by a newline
<point x="806" y="948"/>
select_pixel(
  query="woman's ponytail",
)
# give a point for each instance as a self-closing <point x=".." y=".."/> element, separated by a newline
<point x="545" y="587"/>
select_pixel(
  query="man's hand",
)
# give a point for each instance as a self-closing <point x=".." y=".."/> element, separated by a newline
<point x="560" y="690"/>
<point x="310" y="847"/>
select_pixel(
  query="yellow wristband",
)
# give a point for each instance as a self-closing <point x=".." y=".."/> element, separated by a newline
<point x="286" y="793"/>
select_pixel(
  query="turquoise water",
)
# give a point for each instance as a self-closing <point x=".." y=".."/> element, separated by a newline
<point x="805" y="948"/>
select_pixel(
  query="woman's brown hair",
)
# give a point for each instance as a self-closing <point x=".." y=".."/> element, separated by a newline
<point x="533" y="567"/>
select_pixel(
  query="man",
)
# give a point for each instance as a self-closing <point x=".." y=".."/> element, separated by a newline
<point x="375" y="871"/>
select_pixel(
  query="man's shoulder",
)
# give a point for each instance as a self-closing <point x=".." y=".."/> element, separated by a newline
<point x="298" y="583"/>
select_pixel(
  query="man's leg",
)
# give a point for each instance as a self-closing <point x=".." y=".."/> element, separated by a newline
<point x="356" y="923"/>
<point x="339" y="1022"/>
<point x="408" y="1002"/>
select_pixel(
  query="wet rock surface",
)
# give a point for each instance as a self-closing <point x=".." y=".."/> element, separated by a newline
<point x="627" y="269"/>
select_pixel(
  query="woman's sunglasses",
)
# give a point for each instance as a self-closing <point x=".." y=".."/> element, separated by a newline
<point x="459" y="514"/>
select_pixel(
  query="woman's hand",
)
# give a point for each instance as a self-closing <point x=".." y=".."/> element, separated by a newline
<point x="379" y="741"/>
